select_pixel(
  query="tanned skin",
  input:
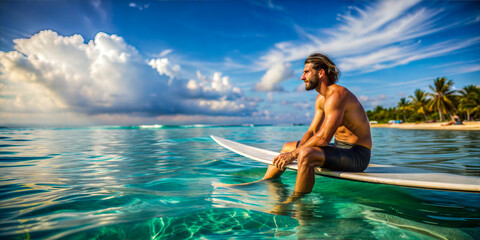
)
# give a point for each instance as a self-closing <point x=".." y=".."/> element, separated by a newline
<point x="337" y="112"/>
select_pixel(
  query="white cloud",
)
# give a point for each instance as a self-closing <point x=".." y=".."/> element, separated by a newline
<point x="138" y="6"/>
<point x="397" y="55"/>
<point x="270" y="97"/>
<point x="163" y="67"/>
<point x="51" y="73"/>
<point x="376" y="36"/>
<point x="165" y="52"/>
<point x="459" y="67"/>
<point x="267" y="4"/>
<point x="221" y="105"/>
<point x="363" y="98"/>
<point x="369" y="102"/>
<point x="466" y="69"/>
<point x="303" y="105"/>
<point x="274" y="76"/>
<point x="96" y="74"/>
<point x="97" y="6"/>
<point x="215" y="87"/>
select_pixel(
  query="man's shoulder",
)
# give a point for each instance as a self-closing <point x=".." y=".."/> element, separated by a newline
<point x="335" y="89"/>
<point x="320" y="99"/>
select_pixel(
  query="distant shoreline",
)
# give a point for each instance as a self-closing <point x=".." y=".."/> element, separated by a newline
<point x="468" y="126"/>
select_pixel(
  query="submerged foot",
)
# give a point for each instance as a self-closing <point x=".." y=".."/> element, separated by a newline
<point x="286" y="208"/>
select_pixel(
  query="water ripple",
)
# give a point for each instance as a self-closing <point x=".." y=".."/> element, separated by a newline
<point x="133" y="183"/>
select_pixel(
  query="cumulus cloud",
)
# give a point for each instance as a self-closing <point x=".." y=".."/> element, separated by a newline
<point x="51" y="73"/>
<point x="164" y="67"/>
<point x="214" y="94"/>
<point x="214" y="87"/>
<point x="278" y="73"/>
<point x="98" y="74"/>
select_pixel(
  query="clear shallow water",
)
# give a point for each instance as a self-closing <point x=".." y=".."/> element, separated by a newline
<point x="144" y="183"/>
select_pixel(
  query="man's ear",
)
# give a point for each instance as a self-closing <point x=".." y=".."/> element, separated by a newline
<point x="320" y="73"/>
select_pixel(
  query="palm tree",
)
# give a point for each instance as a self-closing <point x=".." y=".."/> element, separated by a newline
<point x="420" y="101"/>
<point x="402" y="106"/>
<point x="469" y="99"/>
<point x="441" y="96"/>
<point x="476" y="101"/>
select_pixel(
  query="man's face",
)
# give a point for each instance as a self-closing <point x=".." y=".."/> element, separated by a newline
<point x="310" y="77"/>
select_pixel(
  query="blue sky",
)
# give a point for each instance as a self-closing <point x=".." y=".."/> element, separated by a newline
<point x="221" y="62"/>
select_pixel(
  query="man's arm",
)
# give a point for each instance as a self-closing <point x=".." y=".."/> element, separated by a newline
<point x="334" y="110"/>
<point x="317" y="120"/>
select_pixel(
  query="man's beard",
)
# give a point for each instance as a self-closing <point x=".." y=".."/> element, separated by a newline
<point x="312" y="83"/>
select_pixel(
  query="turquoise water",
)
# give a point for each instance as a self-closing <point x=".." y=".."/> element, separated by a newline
<point x="156" y="183"/>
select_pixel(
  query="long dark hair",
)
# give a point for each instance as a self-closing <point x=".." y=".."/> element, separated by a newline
<point x="321" y="61"/>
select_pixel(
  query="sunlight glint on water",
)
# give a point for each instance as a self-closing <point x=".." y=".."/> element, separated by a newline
<point x="156" y="182"/>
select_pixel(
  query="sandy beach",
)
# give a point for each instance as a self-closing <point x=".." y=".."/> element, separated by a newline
<point x="468" y="126"/>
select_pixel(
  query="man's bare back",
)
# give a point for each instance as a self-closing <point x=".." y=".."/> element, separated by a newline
<point x="354" y="127"/>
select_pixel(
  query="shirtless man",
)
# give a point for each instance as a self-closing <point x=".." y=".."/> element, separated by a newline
<point x="455" y="121"/>
<point x="337" y="112"/>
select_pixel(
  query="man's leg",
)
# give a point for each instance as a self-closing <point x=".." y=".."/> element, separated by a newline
<point x="308" y="159"/>
<point x="274" y="172"/>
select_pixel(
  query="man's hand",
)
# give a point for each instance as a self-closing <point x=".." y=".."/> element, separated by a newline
<point x="282" y="160"/>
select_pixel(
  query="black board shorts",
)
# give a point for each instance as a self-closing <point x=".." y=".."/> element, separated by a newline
<point x="342" y="156"/>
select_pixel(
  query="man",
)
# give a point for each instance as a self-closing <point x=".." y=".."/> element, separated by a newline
<point x="337" y="112"/>
<point x="455" y="121"/>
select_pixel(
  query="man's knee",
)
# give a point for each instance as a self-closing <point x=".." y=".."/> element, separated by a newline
<point x="305" y="156"/>
<point x="289" y="146"/>
<point x="311" y="157"/>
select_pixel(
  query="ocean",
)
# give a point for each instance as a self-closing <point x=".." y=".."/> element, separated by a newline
<point x="156" y="182"/>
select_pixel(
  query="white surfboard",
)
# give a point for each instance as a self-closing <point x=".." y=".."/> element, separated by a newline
<point x="375" y="173"/>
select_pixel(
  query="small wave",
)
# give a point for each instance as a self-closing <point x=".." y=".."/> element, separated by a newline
<point x="158" y="126"/>
<point x="151" y="126"/>
<point x="198" y="126"/>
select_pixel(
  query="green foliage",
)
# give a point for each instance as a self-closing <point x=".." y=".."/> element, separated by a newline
<point x="434" y="105"/>
<point x="383" y="115"/>
<point x="441" y="97"/>
<point x="419" y="102"/>
<point x="404" y="107"/>
<point x="469" y="101"/>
